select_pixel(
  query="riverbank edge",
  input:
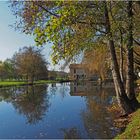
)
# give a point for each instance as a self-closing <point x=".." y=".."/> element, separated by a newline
<point x="23" y="83"/>
<point x="132" y="130"/>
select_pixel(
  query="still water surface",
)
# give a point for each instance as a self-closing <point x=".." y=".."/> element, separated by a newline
<point x="68" y="110"/>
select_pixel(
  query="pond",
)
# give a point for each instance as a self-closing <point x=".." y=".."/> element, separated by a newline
<point x="69" y="110"/>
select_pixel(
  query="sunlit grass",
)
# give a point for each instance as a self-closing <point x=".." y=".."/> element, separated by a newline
<point x="18" y="83"/>
<point x="4" y="83"/>
<point x="132" y="130"/>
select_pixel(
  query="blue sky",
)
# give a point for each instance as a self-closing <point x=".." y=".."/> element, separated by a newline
<point x="11" y="40"/>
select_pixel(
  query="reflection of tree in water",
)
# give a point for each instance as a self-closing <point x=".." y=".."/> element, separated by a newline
<point x="71" y="133"/>
<point x="53" y="89"/>
<point x="8" y="94"/>
<point x="5" y="95"/>
<point x="97" y="121"/>
<point x="33" y="103"/>
<point x="62" y="89"/>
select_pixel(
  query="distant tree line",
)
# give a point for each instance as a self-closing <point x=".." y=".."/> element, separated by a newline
<point x="58" y="75"/>
<point x="27" y="64"/>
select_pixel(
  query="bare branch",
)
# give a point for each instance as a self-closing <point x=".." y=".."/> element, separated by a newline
<point x="91" y="24"/>
<point x="137" y="42"/>
<point x="136" y="53"/>
<point x="45" y="9"/>
<point x="137" y="62"/>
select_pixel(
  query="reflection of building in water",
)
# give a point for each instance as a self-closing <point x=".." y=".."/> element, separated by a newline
<point x="98" y="122"/>
<point x="80" y="71"/>
<point x="89" y="89"/>
<point x="78" y="89"/>
<point x="83" y="88"/>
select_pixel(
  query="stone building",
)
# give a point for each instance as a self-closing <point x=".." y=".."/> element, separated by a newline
<point x="80" y="72"/>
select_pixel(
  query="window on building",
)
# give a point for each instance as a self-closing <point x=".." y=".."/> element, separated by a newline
<point x="77" y="77"/>
<point x="74" y="89"/>
<point x="74" y="70"/>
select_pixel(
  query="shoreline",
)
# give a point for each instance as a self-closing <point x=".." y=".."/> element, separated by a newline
<point x="129" y="125"/>
<point x="23" y="83"/>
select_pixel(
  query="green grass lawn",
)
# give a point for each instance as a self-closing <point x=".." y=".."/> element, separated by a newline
<point x="11" y="83"/>
<point x="20" y="83"/>
<point x="132" y="130"/>
<point x="45" y="81"/>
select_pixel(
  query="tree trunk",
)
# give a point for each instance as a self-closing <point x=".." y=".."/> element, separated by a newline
<point x="123" y="100"/>
<point x="121" y="59"/>
<point x="130" y="59"/>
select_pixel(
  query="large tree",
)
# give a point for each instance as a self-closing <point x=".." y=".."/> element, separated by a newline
<point x="76" y="26"/>
<point x="30" y="63"/>
<point x="97" y="61"/>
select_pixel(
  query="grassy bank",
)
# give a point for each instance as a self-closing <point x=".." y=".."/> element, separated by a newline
<point x="11" y="83"/>
<point x="22" y="83"/>
<point x="132" y="130"/>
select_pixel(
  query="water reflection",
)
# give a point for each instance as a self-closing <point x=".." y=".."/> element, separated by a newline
<point x="98" y="122"/>
<point x="61" y="88"/>
<point x="30" y="101"/>
<point x="71" y="133"/>
<point x="69" y="110"/>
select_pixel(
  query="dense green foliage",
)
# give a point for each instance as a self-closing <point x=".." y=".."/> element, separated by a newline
<point x="73" y="26"/>
<point x="70" y="25"/>
<point x="7" y="70"/>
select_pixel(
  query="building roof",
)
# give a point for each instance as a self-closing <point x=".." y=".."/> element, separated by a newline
<point x="77" y="66"/>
